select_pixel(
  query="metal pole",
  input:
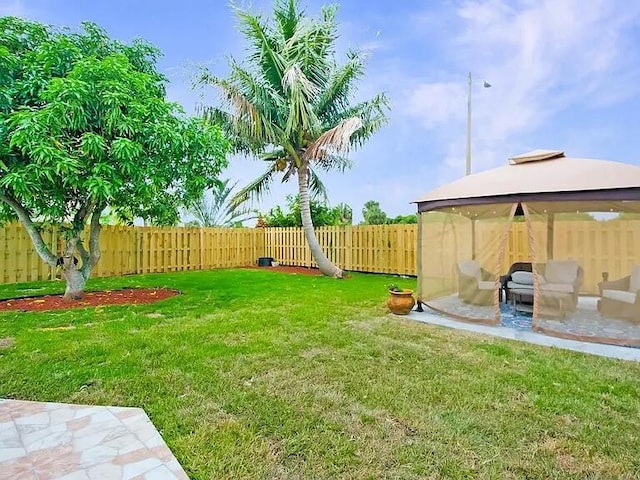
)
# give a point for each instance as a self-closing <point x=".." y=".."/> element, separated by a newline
<point x="468" y="172"/>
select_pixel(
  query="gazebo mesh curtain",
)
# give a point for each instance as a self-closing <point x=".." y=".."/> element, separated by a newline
<point x="462" y="260"/>
<point x="605" y="246"/>
<point x="465" y="251"/>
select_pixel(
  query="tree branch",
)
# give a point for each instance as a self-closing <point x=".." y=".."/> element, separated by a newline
<point x="84" y="255"/>
<point x="80" y="218"/>
<point x="41" y="247"/>
<point x="94" y="242"/>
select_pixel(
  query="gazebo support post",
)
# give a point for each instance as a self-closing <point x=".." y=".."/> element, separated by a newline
<point x="550" y="227"/>
<point x="419" y="262"/>
<point x="473" y="239"/>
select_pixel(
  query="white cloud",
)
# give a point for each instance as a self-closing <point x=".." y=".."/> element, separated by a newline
<point x="542" y="58"/>
<point x="435" y="103"/>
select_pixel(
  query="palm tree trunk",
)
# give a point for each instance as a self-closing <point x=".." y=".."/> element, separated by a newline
<point x="325" y="265"/>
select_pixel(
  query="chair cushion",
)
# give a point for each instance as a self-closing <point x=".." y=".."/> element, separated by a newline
<point x="634" y="281"/>
<point x="561" y="271"/>
<point x="523" y="278"/>
<point x="519" y="286"/>
<point x="471" y="268"/>
<point x="619" y="295"/>
<point x="486" y="285"/>
<point x="557" y="287"/>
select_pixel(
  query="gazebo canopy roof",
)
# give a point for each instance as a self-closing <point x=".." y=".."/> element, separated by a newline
<point x="541" y="175"/>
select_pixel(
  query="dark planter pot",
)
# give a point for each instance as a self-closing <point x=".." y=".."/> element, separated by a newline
<point x="401" y="303"/>
<point x="265" y="261"/>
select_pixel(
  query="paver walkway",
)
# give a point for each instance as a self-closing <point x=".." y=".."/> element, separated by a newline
<point x="47" y="441"/>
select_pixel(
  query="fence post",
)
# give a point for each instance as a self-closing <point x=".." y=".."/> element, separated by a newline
<point x="137" y="250"/>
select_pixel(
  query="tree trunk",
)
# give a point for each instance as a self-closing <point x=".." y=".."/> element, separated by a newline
<point x="325" y="265"/>
<point x="75" y="275"/>
<point x="75" y="284"/>
<point x="74" y="278"/>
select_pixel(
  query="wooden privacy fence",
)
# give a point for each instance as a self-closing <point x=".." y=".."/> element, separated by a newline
<point x="131" y="250"/>
<point x="363" y="248"/>
<point x="612" y="247"/>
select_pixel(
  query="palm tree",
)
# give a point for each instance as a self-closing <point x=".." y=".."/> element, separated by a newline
<point x="215" y="209"/>
<point x="290" y="104"/>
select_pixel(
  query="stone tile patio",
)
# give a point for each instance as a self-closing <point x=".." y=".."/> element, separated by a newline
<point x="60" y="441"/>
<point x="586" y="321"/>
<point x="611" y="351"/>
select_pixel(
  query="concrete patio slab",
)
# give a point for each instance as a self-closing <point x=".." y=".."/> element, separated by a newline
<point x="612" y="351"/>
<point x="57" y="441"/>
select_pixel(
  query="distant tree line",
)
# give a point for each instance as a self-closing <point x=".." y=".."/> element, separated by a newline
<point x="321" y="213"/>
<point x="373" y="215"/>
<point x="325" y="215"/>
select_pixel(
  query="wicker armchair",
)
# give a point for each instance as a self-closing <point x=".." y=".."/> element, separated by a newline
<point x="621" y="298"/>
<point x="557" y="278"/>
<point x="475" y="284"/>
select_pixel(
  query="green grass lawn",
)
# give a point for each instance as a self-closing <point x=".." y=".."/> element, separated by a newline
<point x="258" y="374"/>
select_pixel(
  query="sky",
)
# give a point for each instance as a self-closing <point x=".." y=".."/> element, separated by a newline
<point x="564" y="75"/>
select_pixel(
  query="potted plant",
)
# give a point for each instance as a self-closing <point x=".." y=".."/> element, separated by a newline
<point x="400" y="301"/>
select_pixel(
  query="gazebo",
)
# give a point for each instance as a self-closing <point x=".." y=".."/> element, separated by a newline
<point x="547" y="241"/>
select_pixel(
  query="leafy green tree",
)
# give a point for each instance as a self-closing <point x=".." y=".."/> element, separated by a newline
<point x="84" y="125"/>
<point x="404" y="219"/>
<point x="214" y="209"/>
<point x="290" y="103"/>
<point x="109" y="217"/>
<point x="344" y="214"/>
<point x="373" y="214"/>
<point x="321" y="214"/>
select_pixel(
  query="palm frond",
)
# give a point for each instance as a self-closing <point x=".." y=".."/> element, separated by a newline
<point x="311" y="47"/>
<point x="294" y="78"/>
<point x="241" y="143"/>
<point x="300" y="92"/>
<point x="256" y="189"/>
<point x="316" y="187"/>
<point x="265" y="47"/>
<point x="268" y="100"/>
<point x="287" y="17"/>
<point x="375" y="107"/>
<point x="214" y="209"/>
<point x="335" y="140"/>
<point x="222" y="191"/>
<point x="232" y="213"/>
<point x="335" y="96"/>
<point x="242" y="107"/>
<point x="291" y="169"/>
<point x="334" y="162"/>
<point x="273" y="155"/>
<point x="204" y="211"/>
<point x="247" y="117"/>
<point x="373" y="114"/>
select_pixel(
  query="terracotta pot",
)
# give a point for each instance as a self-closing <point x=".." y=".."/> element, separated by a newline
<point x="401" y="303"/>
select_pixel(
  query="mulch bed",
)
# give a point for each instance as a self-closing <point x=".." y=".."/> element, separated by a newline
<point x="127" y="296"/>
<point x="294" y="270"/>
